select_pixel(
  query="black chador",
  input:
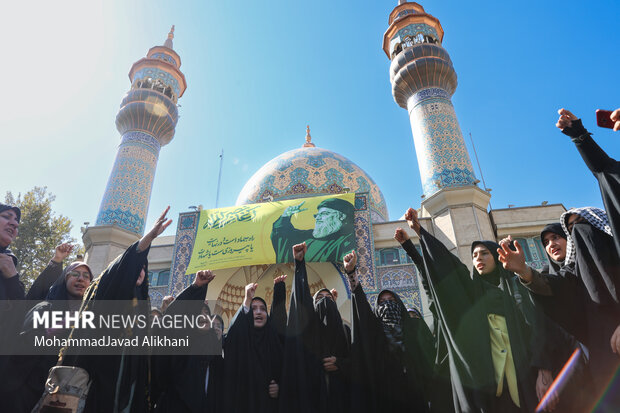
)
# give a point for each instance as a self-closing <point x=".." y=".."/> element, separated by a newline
<point x="388" y="365"/>
<point x="190" y="383"/>
<point x="303" y="388"/>
<point x="463" y="304"/>
<point x="582" y="296"/>
<point x="253" y="358"/>
<point x="118" y="382"/>
<point x="334" y="342"/>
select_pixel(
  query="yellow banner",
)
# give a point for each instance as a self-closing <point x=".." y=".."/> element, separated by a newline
<point x="265" y="233"/>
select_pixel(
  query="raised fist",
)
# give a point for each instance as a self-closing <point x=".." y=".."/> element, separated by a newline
<point x="401" y="236"/>
<point x="203" y="277"/>
<point x="411" y="216"/>
<point x="349" y="261"/>
<point x="299" y="251"/>
<point x="61" y="252"/>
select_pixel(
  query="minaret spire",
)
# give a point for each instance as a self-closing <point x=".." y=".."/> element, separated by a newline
<point x="168" y="42"/>
<point x="146" y="120"/>
<point x="308" y="143"/>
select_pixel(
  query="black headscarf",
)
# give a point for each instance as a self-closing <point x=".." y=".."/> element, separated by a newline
<point x="555" y="228"/>
<point x="18" y="212"/>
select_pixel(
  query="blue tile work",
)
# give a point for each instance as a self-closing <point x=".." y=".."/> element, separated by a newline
<point x="308" y="172"/>
<point x="440" y="148"/>
<point x="165" y="57"/>
<point x="183" y="246"/>
<point x="155" y="73"/>
<point x="128" y="192"/>
<point x="412" y="30"/>
<point x="365" y="248"/>
<point x="403" y="280"/>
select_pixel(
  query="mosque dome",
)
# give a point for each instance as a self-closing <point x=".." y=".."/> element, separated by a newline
<point x="311" y="171"/>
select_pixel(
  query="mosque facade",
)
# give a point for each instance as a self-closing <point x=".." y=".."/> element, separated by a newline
<point x="454" y="208"/>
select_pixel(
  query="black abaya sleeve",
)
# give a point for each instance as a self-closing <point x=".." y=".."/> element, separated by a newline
<point x="302" y="387"/>
<point x="607" y="172"/>
<point x="40" y="287"/>
<point x="278" y="309"/>
<point x="417" y="259"/>
<point x="366" y="352"/>
<point x="118" y="281"/>
<point x="11" y="288"/>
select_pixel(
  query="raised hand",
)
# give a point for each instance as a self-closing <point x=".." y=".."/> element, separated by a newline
<point x="299" y="251"/>
<point x="566" y="119"/>
<point x="203" y="277"/>
<point x="615" y="116"/>
<point x="250" y="291"/>
<point x="349" y="261"/>
<point x="295" y="209"/>
<point x="61" y="252"/>
<point x="411" y="216"/>
<point x="279" y="279"/>
<point x="514" y="260"/>
<point x="401" y="236"/>
<point x="160" y="226"/>
<point x="334" y="293"/>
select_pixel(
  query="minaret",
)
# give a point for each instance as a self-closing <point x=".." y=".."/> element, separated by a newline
<point x="146" y="121"/>
<point x="423" y="81"/>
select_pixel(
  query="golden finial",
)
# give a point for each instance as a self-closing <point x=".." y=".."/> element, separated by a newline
<point x="308" y="143"/>
<point x="168" y="42"/>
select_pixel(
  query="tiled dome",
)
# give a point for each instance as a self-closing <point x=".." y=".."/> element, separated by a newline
<point x="311" y="171"/>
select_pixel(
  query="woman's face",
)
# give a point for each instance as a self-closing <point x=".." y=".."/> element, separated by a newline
<point x="260" y="313"/>
<point x="483" y="260"/>
<point x="386" y="296"/>
<point x="555" y="246"/>
<point x="8" y="227"/>
<point x="77" y="281"/>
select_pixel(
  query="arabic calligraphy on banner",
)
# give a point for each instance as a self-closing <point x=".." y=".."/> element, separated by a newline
<point x="265" y="233"/>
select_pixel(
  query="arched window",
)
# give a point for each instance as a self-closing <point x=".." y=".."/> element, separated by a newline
<point x="168" y="92"/>
<point x="389" y="256"/>
<point x="419" y="38"/>
<point x="408" y="42"/>
<point x="163" y="278"/>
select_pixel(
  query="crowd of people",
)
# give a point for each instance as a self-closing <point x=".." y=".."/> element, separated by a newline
<point x="505" y="337"/>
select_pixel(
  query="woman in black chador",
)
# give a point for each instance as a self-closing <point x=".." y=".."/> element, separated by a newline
<point x="120" y="383"/>
<point x="390" y="367"/>
<point x="334" y="350"/>
<point x="191" y="383"/>
<point x="491" y="326"/>
<point x="253" y="353"/>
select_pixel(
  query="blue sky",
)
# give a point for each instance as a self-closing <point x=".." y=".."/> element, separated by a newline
<point x="258" y="72"/>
